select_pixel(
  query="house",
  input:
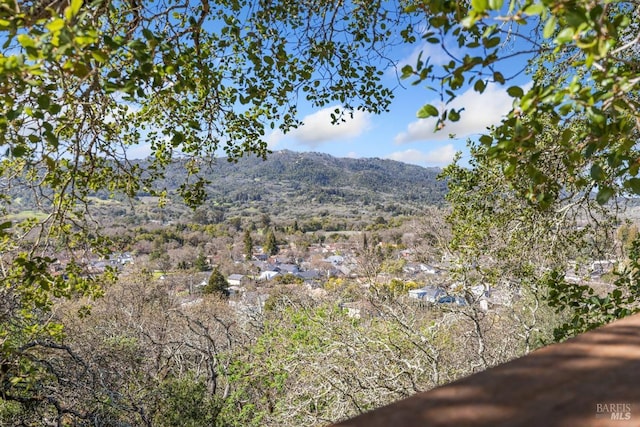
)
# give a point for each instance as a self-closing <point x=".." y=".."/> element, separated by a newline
<point x="600" y="267"/>
<point x="287" y="268"/>
<point x="235" y="279"/>
<point x="124" y="258"/>
<point x="260" y="257"/>
<point x="480" y="291"/>
<point x="249" y="303"/>
<point x="427" y="293"/>
<point x="343" y="270"/>
<point x="260" y="265"/>
<point x="312" y="274"/>
<point x="312" y="278"/>
<point x="414" y="268"/>
<point x="268" y="275"/>
<point x="452" y="299"/>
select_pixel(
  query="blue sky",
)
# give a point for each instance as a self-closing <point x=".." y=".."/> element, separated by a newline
<point x="398" y="134"/>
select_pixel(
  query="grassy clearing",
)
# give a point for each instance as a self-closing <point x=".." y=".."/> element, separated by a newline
<point x="26" y="214"/>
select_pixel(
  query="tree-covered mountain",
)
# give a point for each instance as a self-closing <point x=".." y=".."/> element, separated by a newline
<point x="323" y="170"/>
<point x="302" y="183"/>
<point x="287" y="186"/>
<point x="309" y="171"/>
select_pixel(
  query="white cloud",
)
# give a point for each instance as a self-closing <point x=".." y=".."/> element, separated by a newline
<point x="139" y="151"/>
<point x="441" y="156"/>
<point x="480" y="112"/>
<point x="274" y="138"/>
<point x="317" y="129"/>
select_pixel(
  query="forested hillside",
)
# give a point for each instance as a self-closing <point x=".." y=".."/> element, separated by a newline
<point x="287" y="185"/>
<point x="316" y="177"/>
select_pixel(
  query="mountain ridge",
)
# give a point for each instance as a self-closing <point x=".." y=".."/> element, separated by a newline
<point x="319" y="170"/>
<point x="286" y="186"/>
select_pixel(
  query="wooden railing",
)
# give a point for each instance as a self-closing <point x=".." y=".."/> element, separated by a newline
<point x="590" y="380"/>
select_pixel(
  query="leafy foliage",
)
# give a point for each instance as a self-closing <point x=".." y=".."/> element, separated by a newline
<point x="217" y="284"/>
<point x="588" y="309"/>
<point x="186" y="402"/>
<point x="503" y="241"/>
<point x="270" y="244"/>
<point x="497" y="229"/>
<point x="85" y="82"/>
<point x="583" y="63"/>
<point x="569" y="141"/>
<point x="247" y="241"/>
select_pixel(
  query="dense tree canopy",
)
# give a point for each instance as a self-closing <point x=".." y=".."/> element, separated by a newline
<point x="217" y="284"/>
<point x="270" y="244"/>
<point x="82" y="82"/>
<point x="583" y="63"/>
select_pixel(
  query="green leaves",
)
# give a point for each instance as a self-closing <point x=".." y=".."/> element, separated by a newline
<point x="515" y="91"/>
<point x="597" y="172"/>
<point x="535" y="9"/>
<point x="427" y="111"/>
<point x="496" y="4"/>
<point x="72" y="10"/>
<point x="55" y="25"/>
<point x="550" y="27"/>
<point x="192" y="79"/>
<point x="26" y="41"/>
<point x="407" y="71"/>
<point x="604" y="194"/>
<point x="565" y="36"/>
<point x="479" y="5"/>
<point x="4" y="228"/>
<point x="588" y="310"/>
<point x="633" y="184"/>
<point x="454" y="115"/>
<point x="498" y="77"/>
